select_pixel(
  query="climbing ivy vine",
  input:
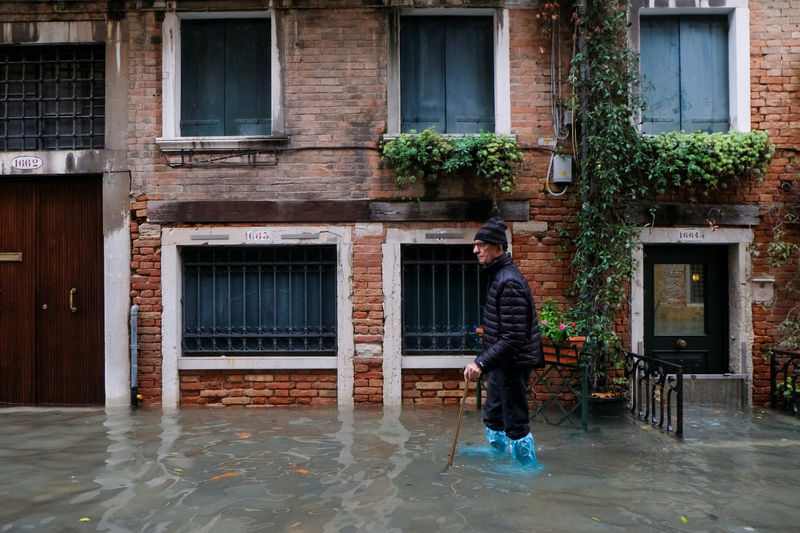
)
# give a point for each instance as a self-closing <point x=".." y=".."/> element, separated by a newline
<point x="616" y="165"/>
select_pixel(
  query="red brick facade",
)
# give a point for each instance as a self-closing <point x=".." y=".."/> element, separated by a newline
<point x="228" y="389"/>
<point x="335" y="80"/>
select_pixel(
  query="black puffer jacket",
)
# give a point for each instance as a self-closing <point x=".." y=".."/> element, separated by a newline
<point x="511" y="336"/>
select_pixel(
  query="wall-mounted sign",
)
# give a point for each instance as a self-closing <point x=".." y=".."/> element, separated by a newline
<point x="26" y="162"/>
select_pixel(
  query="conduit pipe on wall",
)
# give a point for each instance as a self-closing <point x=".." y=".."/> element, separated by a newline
<point x="134" y="356"/>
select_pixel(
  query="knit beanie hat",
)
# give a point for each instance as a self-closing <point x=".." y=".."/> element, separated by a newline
<point x="494" y="231"/>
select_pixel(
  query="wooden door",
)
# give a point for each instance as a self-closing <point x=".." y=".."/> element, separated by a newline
<point x="57" y="292"/>
<point x="686" y="306"/>
<point x="17" y="289"/>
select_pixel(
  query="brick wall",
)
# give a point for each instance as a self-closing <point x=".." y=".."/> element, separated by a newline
<point x="146" y="293"/>
<point x="435" y="387"/>
<point x="774" y="76"/>
<point x="335" y="99"/>
<point x="257" y="388"/>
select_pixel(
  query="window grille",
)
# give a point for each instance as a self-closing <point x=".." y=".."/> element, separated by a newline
<point x="52" y="97"/>
<point x="443" y="297"/>
<point x="267" y="300"/>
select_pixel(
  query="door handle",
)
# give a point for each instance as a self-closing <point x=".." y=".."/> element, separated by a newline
<point x="72" y="293"/>
<point x="680" y="344"/>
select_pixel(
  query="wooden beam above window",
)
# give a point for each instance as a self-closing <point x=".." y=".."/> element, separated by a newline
<point x="331" y="211"/>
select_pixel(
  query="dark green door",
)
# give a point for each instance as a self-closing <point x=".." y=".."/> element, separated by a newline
<point x="686" y="306"/>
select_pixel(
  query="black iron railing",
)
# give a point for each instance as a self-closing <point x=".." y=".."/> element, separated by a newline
<point x="656" y="388"/>
<point x="558" y="391"/>
<point x="784" y="371"/>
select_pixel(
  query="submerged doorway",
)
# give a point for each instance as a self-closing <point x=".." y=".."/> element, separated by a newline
<point x="686" y="306"/>
<point x="51" y="299"/>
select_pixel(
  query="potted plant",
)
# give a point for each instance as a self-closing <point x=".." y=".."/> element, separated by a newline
<point x="561" y="335"/>
<point x="429" y="156"/>
<point x="609" y="388"/>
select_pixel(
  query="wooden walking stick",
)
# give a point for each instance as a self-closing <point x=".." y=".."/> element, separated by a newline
<point x="458" y="426"/>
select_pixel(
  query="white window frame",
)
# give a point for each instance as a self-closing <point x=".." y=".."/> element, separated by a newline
<point x="173" y="360"/>
<point x="738" y="49"/>
<point x="171" y="87"/>
<point x="502" y="65"/>
<point x="393" y="359"/>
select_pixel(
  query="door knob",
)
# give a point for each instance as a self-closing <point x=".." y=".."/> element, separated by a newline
<point x="44" y="307"/>
<point x="72" y="293"/>
<point x="680" y="344"/>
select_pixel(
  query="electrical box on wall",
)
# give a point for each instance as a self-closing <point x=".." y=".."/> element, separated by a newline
<point x="562" y="169"/>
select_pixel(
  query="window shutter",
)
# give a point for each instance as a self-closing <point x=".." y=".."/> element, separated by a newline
<point x="247" y="77"/>
<point x="469" y="74"/>
<point x="660" y="69"/>
<point x="704" y="74"/>
<point x="202" y="75"/>
<point x="422" y="77"/>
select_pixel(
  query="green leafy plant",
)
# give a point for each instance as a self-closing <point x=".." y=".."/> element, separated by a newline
<point x="787" y="388"/>
<point x="418" y="156"/>
<point x="617" y="166"/>
<point x="708" y="161"/>
<point x="555" y="324"/>
<point x="428" y="156"/>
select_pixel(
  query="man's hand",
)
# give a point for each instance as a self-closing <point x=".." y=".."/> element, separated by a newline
<point x="472" y="371"/>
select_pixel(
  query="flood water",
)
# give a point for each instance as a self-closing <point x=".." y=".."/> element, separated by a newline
<point x="352" y="469"/>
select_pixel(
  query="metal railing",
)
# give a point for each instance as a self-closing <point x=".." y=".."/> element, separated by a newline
<point x="558" y="391"/>
<point x="564" y="386"/>
<point x="784" y="371"/>
<point x="655" y="388"/>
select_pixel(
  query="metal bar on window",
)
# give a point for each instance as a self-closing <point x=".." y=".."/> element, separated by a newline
<point x="218" y="272"/>
<point x="449" y="331"/>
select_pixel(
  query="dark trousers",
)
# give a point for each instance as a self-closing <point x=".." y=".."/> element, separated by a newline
<point x="506" y="407"/>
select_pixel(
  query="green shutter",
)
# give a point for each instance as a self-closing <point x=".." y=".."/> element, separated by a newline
<point x="225" y="77"/>
<point x="422" y="74"/>
<point x="660" y="67"/>
<point x="704" y="74"/>
<point x="469" y="74"/>
<point x="247" y="77"/>
<point x="447" y="74"/>
<point x="202" y="75"/>
<point x="684" y="66"/>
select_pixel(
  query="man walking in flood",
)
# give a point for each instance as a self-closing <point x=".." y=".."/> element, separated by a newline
<point x="512" y="346"/>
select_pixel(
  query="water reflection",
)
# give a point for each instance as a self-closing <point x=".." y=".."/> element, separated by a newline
<point x="372" y="469"/>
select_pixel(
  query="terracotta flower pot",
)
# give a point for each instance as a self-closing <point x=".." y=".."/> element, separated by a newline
<point x="565" y="352"/>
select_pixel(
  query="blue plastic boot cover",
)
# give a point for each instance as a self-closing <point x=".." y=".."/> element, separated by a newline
<point x="497" y="440"/>
<point x="524" y="450"/>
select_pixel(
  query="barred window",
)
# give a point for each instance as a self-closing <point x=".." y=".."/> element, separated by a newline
<point x="268" y="300"/>
<point x="443" y="298"/>
<point x="52" y="97"/>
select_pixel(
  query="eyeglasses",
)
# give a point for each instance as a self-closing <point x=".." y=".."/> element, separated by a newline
<point x="481" y="245"/>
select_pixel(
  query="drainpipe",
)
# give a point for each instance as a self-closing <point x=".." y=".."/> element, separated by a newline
<point x="135" y="397"/>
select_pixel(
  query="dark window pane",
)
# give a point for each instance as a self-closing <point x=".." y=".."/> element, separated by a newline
<point x="259" y="300"/>
<point x="447" y="74"/>
<point x="442" y="297"/>
<point x="225" y="77"/>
